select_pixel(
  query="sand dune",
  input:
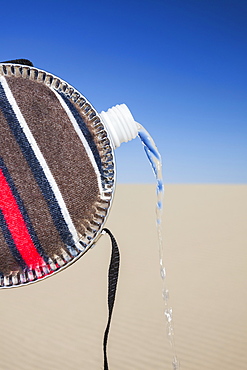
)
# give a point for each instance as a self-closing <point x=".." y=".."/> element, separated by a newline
<point x="59" y="323"/>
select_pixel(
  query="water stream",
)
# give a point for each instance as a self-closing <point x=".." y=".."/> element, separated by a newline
<point x="154" y="158"/>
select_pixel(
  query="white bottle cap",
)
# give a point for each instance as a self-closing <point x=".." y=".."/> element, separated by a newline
<point x="120" y="124"/>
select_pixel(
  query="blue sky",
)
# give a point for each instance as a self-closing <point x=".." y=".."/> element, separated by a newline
<point x="179" y="65"/>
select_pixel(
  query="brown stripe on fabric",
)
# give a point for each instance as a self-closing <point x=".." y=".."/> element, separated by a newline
<point x="29" y="191"/>
<point x="8" y="264"/>
<point x="60" y="146"/>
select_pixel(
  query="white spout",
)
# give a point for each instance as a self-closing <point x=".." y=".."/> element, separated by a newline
<point x="120" y="124"/>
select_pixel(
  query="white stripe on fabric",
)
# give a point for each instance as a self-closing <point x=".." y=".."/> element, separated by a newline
<point x="41" y="160"/>
<point x="83" y="140"/>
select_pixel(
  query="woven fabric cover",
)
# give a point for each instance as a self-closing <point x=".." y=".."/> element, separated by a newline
<point x="56" y="174"/>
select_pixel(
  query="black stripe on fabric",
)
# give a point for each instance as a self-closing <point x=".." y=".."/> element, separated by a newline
<point x="36" y="168"/>
<point x="87" y="134"/>
<point x="23" y="211"/>
<point x="10" y="242"/>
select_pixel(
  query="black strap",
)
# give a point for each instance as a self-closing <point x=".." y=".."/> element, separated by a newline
<point x="25" y="62"/>
<point x="112" y="287"/>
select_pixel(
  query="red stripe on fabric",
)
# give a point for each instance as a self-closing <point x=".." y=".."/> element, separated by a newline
<point x="17" y="226"/>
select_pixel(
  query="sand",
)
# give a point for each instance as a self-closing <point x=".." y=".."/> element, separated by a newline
<point x="59" y="323"/>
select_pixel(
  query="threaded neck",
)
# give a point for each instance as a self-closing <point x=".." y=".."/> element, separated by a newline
<point x="120" y="124"/>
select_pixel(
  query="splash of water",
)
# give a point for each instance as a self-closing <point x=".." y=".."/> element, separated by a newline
<point x="154" y="158"/>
